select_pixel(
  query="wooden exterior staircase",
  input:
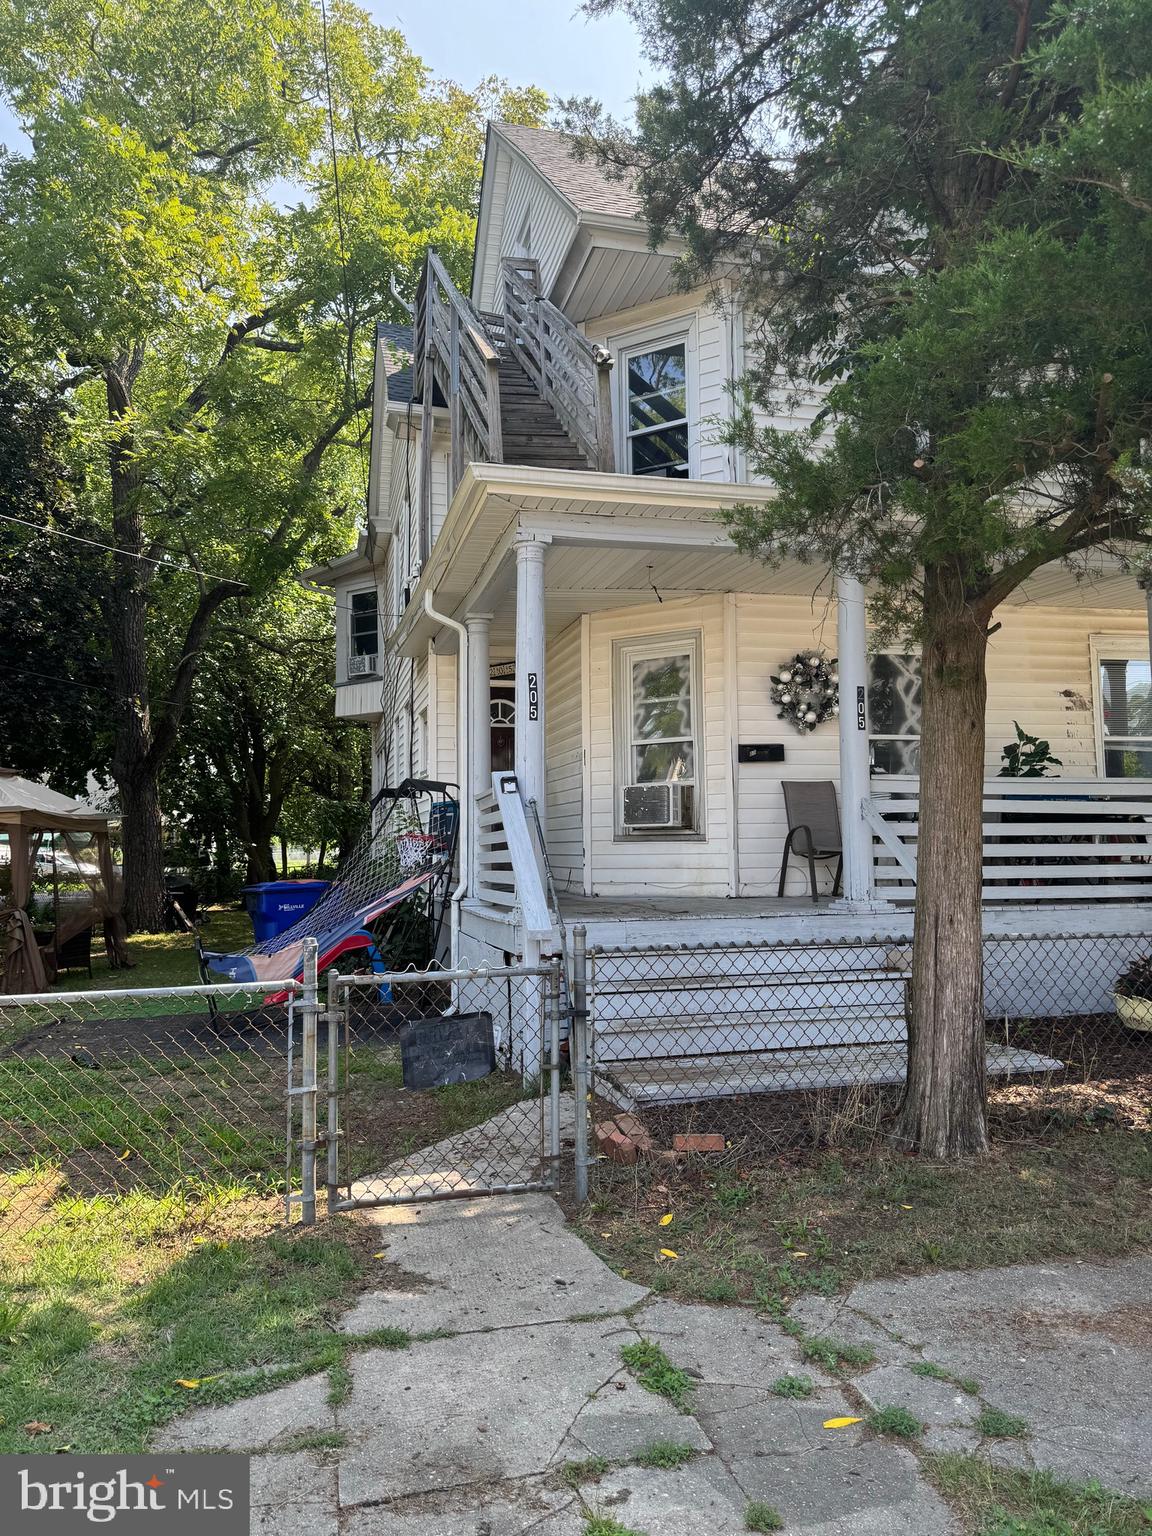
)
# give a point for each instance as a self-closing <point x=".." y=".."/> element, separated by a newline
<point x="523" y="386"/>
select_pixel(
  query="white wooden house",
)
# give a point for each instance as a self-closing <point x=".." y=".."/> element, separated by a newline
<point x="544" y="548"/>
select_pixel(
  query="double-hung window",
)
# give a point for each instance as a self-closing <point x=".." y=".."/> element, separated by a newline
<point x="658" y="724"/>
<point x="656" y="410"/>
<point x="894" y="710"/>
<point x="1124" y="695"/>
<point x="363" y="633"/>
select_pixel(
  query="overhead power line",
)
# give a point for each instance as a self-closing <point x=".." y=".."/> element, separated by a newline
<point x="115" y="549"/>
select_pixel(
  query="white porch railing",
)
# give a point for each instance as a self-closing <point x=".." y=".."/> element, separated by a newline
<point x="1045" y="840"/>
<point x="507" y="873"/>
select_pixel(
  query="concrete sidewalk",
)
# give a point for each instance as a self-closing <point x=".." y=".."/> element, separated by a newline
<point x="466" y="1432"/>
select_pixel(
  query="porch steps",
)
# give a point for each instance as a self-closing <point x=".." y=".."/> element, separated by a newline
<point x="683" y="1025"/>
<point x="634" y="1084"/>
<point x="662" y="1004"/>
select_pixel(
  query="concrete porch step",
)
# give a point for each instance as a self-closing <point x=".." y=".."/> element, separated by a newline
<point x="635" y="1084"/>
<point x="744" y="1033"/>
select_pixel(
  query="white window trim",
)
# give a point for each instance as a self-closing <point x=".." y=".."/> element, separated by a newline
<point x="624" y="653"/>
<point x="1127" y="648"/>
<point x="349" y="595"/>
<point x="669" y="332"/>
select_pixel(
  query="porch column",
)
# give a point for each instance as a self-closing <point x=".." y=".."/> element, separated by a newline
<point x="530" y="671"/>
<point x="479" y="718"/>
<point x="852" y="642"/>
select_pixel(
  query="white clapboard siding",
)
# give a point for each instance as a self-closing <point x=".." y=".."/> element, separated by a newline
<point x="552" y="221"/>
<point x="660" y="866"/>
<point x="1039" y="672"/>
<point x="769" y="631"/>
<point x="564" y="755"/>
<point x="444" y="673"/>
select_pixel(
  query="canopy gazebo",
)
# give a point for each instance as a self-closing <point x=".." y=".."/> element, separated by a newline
<point x="31" y="814"/>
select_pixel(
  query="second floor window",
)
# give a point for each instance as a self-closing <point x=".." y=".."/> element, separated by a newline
<point x="656" y="425"/>
<point x="363" y="631"/>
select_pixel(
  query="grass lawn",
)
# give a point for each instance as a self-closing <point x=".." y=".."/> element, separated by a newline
<point x="163" y="959"/>
<point x="766" y="1236"/>
<point x="115" y="1316"/>
<point x="994" y="1501"/>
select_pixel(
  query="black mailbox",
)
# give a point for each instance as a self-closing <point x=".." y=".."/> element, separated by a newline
<point x="762" y="752"/>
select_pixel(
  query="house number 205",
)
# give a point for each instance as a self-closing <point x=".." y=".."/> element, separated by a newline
<point x="533" y="697"/>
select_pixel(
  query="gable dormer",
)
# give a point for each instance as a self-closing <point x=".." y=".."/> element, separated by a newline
<point x="585" y="230"/>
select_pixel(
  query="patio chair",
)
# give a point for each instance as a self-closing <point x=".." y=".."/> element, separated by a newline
<point x="813" y="829"/>
<point x="74" y="954"/>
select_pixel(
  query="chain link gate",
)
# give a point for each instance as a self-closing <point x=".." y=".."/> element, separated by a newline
<point x="430" y="1085"/>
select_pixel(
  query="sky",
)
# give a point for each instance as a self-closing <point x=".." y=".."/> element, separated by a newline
<point x="549" y="43"/>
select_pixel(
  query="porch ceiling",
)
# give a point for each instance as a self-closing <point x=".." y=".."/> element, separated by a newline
<point x="613" y="538"/>
<point x="604" y="531"/>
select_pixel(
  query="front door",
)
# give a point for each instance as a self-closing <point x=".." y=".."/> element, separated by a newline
<point x="503" y="717"/>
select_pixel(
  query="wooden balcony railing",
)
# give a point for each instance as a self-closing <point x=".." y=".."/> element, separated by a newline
<point x="1045" y="840"/>
<point x="458" y="351"/>
<point x="570" y="372"/>
<point x="453" y="352"/>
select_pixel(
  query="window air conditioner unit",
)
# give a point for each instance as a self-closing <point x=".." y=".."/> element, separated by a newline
<point x="656" y="805"/>
<point x="361" y="666"/>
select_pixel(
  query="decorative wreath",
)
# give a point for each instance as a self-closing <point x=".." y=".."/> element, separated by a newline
<point x="806" y="691"/>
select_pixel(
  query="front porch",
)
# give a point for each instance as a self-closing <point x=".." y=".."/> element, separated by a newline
<point x="570" y="586"/>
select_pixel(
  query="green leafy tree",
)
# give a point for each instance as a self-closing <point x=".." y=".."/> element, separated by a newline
<point x="54" y="701"/>
<point x="215" y="204"/>
<point x="942" y="215"/>
<point x="262" y="751"/>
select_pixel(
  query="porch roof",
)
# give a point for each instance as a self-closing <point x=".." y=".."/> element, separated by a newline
<point x="613" y="537"/>
<point x="620" y="540"/>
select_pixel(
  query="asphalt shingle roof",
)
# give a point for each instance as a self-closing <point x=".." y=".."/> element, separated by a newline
<point x="582" y="182"/>
<point x="399" y="339"/>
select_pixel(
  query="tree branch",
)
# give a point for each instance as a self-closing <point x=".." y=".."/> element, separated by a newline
<point x="195" y="637"/>
<point x="273" y="344"/>
<point x="238" y="332"/>
<point x="310" y="463"/>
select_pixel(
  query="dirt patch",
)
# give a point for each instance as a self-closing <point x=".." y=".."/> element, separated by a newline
<point x="1129" y="1325"/>
<point x="765" y="1231"/>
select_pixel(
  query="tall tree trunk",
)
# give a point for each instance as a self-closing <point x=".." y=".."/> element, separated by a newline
<point x="127" y="617"/>
<point x="944" y="1113"/>
<point x="142" y="831"/>
<point x="261" y="863"/>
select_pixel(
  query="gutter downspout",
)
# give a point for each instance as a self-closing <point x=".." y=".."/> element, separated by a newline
<point x="463" y="768"/>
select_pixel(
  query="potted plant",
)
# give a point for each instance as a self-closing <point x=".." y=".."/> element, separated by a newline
<point x="1028" y="757"/>
<point x="1132" y="994"/>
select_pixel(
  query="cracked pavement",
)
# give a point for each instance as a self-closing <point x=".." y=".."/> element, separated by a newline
<point x="465" y="1433"/>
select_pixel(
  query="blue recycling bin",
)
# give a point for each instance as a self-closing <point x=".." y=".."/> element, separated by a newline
<point x="277" y="904"/>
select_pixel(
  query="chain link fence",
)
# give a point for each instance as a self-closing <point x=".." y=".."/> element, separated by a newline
<point x="165" y="1107"/>
<point x="159" y="1102"/>
<point x="740" y="1054"/>
<point x="445" y="1084"/>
